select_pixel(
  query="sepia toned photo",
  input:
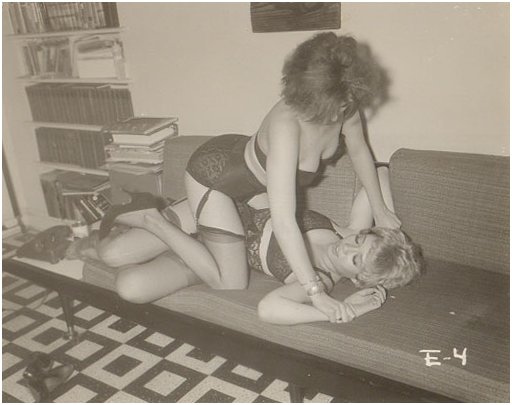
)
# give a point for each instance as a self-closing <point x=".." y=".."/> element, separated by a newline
<point x="255" y="202"/>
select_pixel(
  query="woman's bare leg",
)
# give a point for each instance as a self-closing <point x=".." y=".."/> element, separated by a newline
<point x="136" y="244"/>
<point x="155" y="279"/>
<point x="133" y="246"/>
<point x="222" y="233"/>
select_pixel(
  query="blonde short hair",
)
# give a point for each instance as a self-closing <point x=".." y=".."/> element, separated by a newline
<point x="394" y="260"/>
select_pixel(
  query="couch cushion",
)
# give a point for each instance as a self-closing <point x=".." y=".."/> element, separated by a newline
<point x="433" y="314"/>
<point x="455" y="205"/>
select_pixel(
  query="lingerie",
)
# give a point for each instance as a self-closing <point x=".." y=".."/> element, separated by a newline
<point x="304" y="178"/>
<point x="263" y="251"/>
<point x="219" y="164"/>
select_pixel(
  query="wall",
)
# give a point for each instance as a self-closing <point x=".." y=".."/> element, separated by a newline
<point x="200" y="61"/>
<point x="449" y="66"/>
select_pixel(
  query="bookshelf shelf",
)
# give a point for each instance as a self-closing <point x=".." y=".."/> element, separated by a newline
<point x="112" y="80"/>
<point x="74" y="33"/>
<point x="73" y="168"/>
<point x="95" y="128"/>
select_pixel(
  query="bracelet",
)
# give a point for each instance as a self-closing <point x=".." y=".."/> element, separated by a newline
<point x="315" y="289"/>
<point x="314" y="281"/>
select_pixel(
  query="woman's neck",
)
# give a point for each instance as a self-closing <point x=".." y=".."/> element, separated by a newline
<point x="318" y="243"/>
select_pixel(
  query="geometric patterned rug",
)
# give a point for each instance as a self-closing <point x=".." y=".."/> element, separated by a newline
<point x="119" y="361"/>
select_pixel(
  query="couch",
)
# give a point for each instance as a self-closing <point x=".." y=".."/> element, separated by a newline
<point x="443" y="338"/>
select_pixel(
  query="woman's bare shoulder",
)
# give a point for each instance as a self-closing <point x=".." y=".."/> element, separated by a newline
<point x="281" y="118"/>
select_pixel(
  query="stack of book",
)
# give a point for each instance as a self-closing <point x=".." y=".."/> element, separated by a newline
<point x="76" y="196"/>
<point x="138" y="144"/>
<point x="31" y="18"/>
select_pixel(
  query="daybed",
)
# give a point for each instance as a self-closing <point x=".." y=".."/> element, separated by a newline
<point x="443" y="338"/>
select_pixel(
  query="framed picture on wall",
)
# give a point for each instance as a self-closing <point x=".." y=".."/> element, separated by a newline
<point x="280" y="17"/>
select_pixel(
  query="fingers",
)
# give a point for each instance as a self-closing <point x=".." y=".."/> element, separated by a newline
<point x="381" y="293"/>
<point x="346" y="313"/>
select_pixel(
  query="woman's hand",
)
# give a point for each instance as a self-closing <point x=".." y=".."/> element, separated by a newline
<point x="335" y="311"/>
<point x="366" y="300"/>
<point x="387" y="219"/>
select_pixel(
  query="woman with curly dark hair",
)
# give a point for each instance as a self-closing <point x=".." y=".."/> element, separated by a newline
<point x="327" y="82"/>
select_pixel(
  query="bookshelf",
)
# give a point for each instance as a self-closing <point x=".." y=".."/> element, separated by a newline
<point x="112" y="80"/>
<point x="70" y="34"/>
<point x="73" y="168"/>
<point x="75" y="80"/>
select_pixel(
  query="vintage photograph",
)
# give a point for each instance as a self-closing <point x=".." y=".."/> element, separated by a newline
<point x="255" y="202"/>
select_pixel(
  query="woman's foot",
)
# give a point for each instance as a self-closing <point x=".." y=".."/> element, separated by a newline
<point x="139" y="202"/>
<point x="84" y="248"/>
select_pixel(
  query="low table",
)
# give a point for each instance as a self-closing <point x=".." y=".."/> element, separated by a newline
<point x="298" y="368"/>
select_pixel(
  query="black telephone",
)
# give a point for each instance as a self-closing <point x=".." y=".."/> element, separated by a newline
<point x="49" y="245"/>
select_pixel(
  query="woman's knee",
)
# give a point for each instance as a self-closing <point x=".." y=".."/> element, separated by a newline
<point x="129" y="286"/>
<point x="266" y="308"/>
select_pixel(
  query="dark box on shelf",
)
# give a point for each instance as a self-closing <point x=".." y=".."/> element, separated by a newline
<point x="119" y="181"/>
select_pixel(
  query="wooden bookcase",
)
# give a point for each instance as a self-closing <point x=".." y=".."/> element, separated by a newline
<point x="72" y="91"/>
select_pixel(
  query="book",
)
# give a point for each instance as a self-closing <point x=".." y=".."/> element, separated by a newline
<point x="82" y="181"/>
<point x="39" y="17"/>
<point x="140" y="125"/>
<point x="145" y="140"/>
<point x="87" y="103"/>
<point x="77" y="147"/>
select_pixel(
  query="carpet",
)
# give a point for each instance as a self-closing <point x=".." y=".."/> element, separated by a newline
<point x="118" y="360"/>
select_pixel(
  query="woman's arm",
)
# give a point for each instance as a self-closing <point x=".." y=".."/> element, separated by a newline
<point x="282" y="162"/>
<point x="288" y="305"/>
<point x="364" y="167"/>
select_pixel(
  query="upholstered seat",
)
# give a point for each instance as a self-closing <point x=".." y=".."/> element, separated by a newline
<point x="453" y="307"/>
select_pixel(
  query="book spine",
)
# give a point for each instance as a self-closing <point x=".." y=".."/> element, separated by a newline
<point x="19" y="18"/>
<point x="100" y="14"/>
<point x="50" y="193"/>
<point x="15" y="25"/>
<point x="44" y="16"/>
<point x="84" y="211"/>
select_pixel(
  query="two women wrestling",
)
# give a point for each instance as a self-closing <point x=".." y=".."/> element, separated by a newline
<point x="241" y="211"/>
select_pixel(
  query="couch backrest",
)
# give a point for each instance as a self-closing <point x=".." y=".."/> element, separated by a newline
<point x="177" y="152"/>
<point x="455" y="205"/>
<point x="332" y="195"/>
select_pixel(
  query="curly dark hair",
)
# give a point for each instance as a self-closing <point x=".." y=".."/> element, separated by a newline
<point x="327" y="74"/>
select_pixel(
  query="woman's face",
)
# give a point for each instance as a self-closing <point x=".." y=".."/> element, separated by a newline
<point x="349" y="254"/>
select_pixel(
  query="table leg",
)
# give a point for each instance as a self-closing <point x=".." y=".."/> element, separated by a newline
<point x="296" y="393"/>
<point x="69" y="315"/>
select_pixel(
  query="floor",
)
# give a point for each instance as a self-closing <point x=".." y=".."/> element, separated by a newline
<point x="117" y="360"/>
